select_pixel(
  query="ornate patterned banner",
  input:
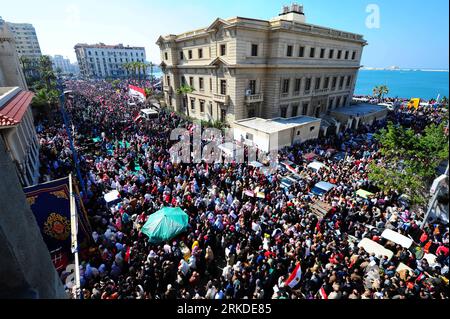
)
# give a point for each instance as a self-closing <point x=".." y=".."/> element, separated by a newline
<point x="51" y="207"/>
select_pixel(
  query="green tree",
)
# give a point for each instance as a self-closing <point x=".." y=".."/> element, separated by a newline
<point x="184" y="90"/>
<point x="46" y="72"/>
<point x="380" y="91"/>
<point x="409" y="160"/>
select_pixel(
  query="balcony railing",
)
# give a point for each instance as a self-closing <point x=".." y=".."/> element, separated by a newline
<point x="254" y="98"/>
<point x="284" y="95"/>
<point x="220" y="98"/>
<point x="307" y="92"/>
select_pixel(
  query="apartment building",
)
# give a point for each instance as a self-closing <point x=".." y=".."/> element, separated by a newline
<point x="244" y="68"/>
<point x="107" y="61"/>
<point x="64" y="65"/>
<point x="27" y="43"/>
<point x="11" y="73"/>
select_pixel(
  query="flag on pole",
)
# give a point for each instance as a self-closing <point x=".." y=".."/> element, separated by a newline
<point x="295" y="277"/>
<point x="137" y="92"/>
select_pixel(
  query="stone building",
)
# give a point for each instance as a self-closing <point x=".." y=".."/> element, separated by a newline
<point x="19" y="134"/>
<point x="244" y="68"/>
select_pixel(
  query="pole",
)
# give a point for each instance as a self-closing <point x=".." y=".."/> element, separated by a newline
<point x="72" y="147"/>
<point x="74" y="232"/>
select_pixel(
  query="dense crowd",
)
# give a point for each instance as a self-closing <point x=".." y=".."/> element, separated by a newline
<point x="237" y="246"/>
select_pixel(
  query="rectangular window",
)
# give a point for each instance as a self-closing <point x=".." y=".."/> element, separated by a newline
<point x="181" y="55"/>
<point x="223" y="49"/>
<point x="210" y="84"/>
<point x="354" y="55"/>
<point x="349" y="80"/>
<point x="327" y="83"/>
<point x="193" y="104"/>
<point x="166" y="56"/>
<point x="168" y="80"/>
<point x="308" y="84"/>
<point x="202" y="106"/>
<point x="200" y="53"/>
<point x="346" y="55"/>
<point x="345" y="101"/>
<point x="317" y="83"/>
<point x="298" y="83"/>
<point x="223" y="87"/>
<point x="286" y="86"/>
<point x="322" y="53"/>
<point x="190" y="54"/>
<point x="333" y="85"/>
<point x="301" y="52"/>
<point x="312" y="53"/>
<point x="191" y="81"/>
<point x="183" y="80"/>
<point x="252" y="87"/>
<point x="339" y="54"/>
<point x="294" y="110"/>
<point x="200" y="84"/>
<point x="341" y="82"/>
<point x="289" y="50"/>
<point x="283" y="111"/>
<point x="254" y="50"/>
<point x="338" y="102"/>
<point x="305" y="108"/>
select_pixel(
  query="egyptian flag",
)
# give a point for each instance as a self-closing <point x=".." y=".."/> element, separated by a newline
<point x="295" y="277"/>
<point x="322" y="293"/>
<point x="137" y="92"/>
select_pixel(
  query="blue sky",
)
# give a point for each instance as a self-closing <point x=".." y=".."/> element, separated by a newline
<point x="412" y="33"/>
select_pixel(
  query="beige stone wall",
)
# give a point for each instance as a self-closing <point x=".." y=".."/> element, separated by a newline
<point x="269" y="68"/>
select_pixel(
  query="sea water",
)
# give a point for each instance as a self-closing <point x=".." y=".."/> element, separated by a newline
<point x="404" y="83"/>
<point x="401" y="83"/>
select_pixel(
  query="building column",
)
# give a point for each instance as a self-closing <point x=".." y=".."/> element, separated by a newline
<point x="26" y="270"/>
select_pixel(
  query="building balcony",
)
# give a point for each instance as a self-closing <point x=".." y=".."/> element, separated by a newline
<point x="284" y="95"/>
<point x="254" y="98"/>
<point x="307" y="92"/>
<point x="221" y="98"/>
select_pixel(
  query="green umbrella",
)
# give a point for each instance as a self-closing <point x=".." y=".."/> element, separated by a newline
<point x="165" y="224"/>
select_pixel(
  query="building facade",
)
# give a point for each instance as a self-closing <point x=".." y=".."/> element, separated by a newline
<point x="107" y="61"/>
<point x="11" y="73"/>
<point x="243" y="68"/>
<point x="64" y="65"/>
<point x="27" y="46"/>
<point x="19" y="134"/>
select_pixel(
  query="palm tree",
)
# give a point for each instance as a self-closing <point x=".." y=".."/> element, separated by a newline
<point x="46" y="71"/>
<point x="184" y="90"/>
<point x="380" y="90"/>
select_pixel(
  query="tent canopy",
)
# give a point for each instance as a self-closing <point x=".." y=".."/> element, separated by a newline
<point x="165" y="224"/>
<point x="111" y="196"/>
<point x="374" y="248"/>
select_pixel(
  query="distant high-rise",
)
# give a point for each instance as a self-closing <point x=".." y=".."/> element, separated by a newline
<point x="27" y="46"/>
<point x="11" y="73"/>
<point x="64" y="65"/>
<point x="103" y="61"/>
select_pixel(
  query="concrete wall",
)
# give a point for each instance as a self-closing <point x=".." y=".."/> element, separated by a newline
<point x="26" y="270"/>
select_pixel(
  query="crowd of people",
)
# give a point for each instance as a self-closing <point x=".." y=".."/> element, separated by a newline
<point x="237" y="246"/>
